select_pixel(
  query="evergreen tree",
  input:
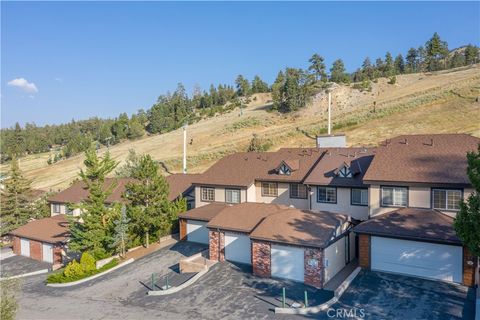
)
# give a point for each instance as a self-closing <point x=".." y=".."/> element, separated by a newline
<point x="243" y="86"/>
<point x="15" y="204"/>
<point x="148" y="199"/>
<point x="131" y="164"/>
<point x="277" y="91"/>
<point x="135" y="129"/>
<point x="467" y="220"/>
<point x="337" y="72"/>
<point x="389" y="68"/>
<point x="120" y="238"/>
<point x="412" y="60"/>
<point x="457" y="60"/>
<point x="471" y="54"/>
<point x="120" y="127"/>
<point x="258" y="85"/>
<point x="399" y="64"/>
<point x="93" y="231"/>
<point x="436" y="51"/>
<point x="367" y="69"/>
<point x="317" y="67"/>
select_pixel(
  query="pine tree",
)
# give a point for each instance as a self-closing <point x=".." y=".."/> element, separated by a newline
<point x="399" y="64"/>
<point x="277" y="91"/>
<point x="258" y="85"/>
<point x="389" y="68"/>
<point x="148" y="199"/>
<point x="471" y="54"/>
<point x="337" y="72"/>
<point x="457" y="60"/>
<point x="243" y="86"/>
<point x="367" y="69"/>
<point x="93" y="231"/>
<point x="317" y="67"/>
<point x="120" y="238"/>
<point x="412" y="60"/>
<point x="436" y="50"/>
<point x="15" y="205"/>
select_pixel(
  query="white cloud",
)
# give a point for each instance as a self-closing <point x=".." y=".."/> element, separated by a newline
<point x="58" y="80"/>
<point x="24" y="85"/>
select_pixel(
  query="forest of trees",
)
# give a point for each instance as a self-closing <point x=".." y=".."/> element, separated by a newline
<point x="290" y="92"/>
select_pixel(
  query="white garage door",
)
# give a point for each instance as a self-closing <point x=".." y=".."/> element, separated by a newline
<point x="238" y="248"/>
<point x="422" y="259"/>
<point x="47" y="252"/>
<point x="197" y="231"/>
<point x="25" y="247"/>
<point x="287" y="262"/>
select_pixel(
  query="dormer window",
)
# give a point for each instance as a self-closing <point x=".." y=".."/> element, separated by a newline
<point x="345" y="172"/>
<point x="284" y="169"/>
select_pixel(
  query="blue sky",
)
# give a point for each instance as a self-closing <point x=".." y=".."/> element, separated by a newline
<point x="76" y="60"/>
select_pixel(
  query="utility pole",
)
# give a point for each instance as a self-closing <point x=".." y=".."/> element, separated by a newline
<point x="329" y="113"/>
<point x="185" y="148"/>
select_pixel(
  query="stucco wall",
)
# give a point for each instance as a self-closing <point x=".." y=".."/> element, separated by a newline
<point x="335" y="258"/>
<point x="63" y="210"/>
<point x="219" y="195"/>
<point x="342" y="206"/>
<point x="283" y="196"/>
<point x="251" y="193"/>
<point x="418" y="197"/>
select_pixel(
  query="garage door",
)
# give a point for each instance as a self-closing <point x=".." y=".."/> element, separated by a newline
<point x="47" y="252"/>
<point x="287" y="262"/>
<point x="197" y="231"/>
<point x="422" y="259"/>
<point x="25" y="247"/>
<point x="238" y="248"/>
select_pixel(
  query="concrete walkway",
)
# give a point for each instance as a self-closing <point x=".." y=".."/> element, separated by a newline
<point x="142" y="251"/>
<point x="337" y="280"/>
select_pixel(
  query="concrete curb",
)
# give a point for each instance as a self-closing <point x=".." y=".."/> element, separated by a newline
<point x="74" y="283"/>
<point x="316" y="309"/>
<point x="34" y="273"/>
<point x="180" y="287"/>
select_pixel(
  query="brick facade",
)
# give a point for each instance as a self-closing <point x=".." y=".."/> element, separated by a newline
<point x="16" y="245"/>
<point x="183" y="229"/>
<point x="216" y="241"/>
<point x="36" y="250"/>
<point x="261" y="259"/>
<point x="468" y="269"/>
<point x="314" y="270"/>
<point x="364" y="251"/>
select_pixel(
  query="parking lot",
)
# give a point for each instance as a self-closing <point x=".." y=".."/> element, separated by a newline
<point x="18" y="265"/>
<point x="228" y="291"/>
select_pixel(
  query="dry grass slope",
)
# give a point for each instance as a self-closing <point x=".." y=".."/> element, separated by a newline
<point x="443" y="102"/>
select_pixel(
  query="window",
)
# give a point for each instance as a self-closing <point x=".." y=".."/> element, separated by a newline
<point x="56" y="208"/>
<point x="269" y="189"/>
<point x="345" y="172"/>
<point x="446" y="199"/>
<point x="394" y="196"/>
<point x="208" y="194"/>
<point x="232" y="195"/>
<point x="359" y="197"/>
<point x="327" y="194"/>
<point x="298" y="190"/>
<point x="284" y="169"/>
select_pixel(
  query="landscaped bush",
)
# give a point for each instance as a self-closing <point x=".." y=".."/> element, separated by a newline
<point x="73" y="270"/>
<point x="61" y="277"/>
<point x="87" y="262"/>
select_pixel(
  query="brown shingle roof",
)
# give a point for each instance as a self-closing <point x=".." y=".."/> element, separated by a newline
<point x="204" y="213"/>
<point x="179" y="183"/>
<point x="78" y="192"/>
<point x="242" y="169"/>
<point x="325" y="171"/>
<point x="412" y="223"/>
<point x="432" y="158"/>
<point x="52" y="230"/>
<point x="299" y="227"/>
<point x="243" y="217"/>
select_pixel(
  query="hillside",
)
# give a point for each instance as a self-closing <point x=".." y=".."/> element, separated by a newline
<point x="442" y="102"/>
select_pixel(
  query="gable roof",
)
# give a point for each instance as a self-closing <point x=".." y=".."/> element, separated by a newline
<point x="180" y="183"/>
<point x="243" y="217"/>
<point x="299" y="227"/>
<point x="412" y="223"/>
<point x="243" y="168"/>
<point x="325" y="172"/>
<point x="52" y="230"/>
<point x="429" y="158"/>
<point x="204" y="213"/>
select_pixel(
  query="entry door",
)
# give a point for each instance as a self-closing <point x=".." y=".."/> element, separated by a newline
<point x="288" y="262"/>
<point x="238" y="248"/>
<point x="25" y="247"/>
<point x="422" y="259"/>
<point x="47" y="252"/>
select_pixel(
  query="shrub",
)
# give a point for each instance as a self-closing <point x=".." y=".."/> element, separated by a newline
<point x="87" y="262"/>
<point x="73" y="270"/>
<point x="61" y="277"/>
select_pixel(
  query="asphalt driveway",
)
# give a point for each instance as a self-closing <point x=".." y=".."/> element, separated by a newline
<point x="229" y="291"/>
<point x="388" y="296"/>
<point x="18" y="265"/>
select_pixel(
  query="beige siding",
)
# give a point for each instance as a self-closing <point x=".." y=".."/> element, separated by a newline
<point x="219" y="195"/>
<point x="283" y="196"/>
<point x="418" y="197"/>
<point x="251" y="195"/>
<point x="343" y="204"/>
<point x="63" y="210"/>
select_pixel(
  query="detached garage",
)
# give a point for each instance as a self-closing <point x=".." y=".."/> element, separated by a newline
<point x="43" y="239"/>
<point x="415" y="242"/>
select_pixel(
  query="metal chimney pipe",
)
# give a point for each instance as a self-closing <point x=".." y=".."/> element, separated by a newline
<point x="329" y="113"/>
<point x="185" y="149"/>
